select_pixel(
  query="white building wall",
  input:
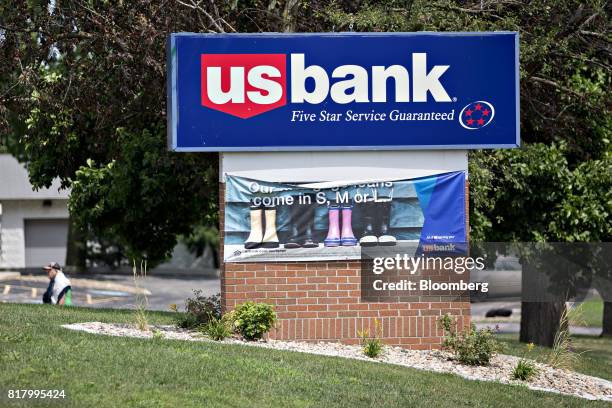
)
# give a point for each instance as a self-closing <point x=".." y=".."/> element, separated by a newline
<point x="15" y="183"/>
<point x="341" y="166"/>
<point x="12" y="227"/>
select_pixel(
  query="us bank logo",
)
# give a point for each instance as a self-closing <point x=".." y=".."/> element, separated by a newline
<point x="246" y="85"/>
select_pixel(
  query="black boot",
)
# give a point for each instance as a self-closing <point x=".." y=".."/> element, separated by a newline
<point x="309" y="219"/>
<point x="368" y="238"/>
<point x="384" y="209"/>
<point x="295" y="220"/>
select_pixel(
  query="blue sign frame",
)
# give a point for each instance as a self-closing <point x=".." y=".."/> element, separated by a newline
<point x="482" y="75"/>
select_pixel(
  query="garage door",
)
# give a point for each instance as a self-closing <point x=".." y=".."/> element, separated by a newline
<point x="45" y="241"/>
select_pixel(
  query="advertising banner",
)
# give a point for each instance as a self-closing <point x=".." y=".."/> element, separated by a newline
<point x="273" y="92"/>
<point x="277" y="222"/>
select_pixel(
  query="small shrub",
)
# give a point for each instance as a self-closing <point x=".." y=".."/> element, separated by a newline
<point x="472" y="347"/>
<point x="216" y="329"/>
<point x="372" y="346"/>
<point x="229" y="318"/>
<point x="198" y="310"/>
<point x="203" y="306"/>
<point x="253" y="320"/>
<point x="524" y="370"/>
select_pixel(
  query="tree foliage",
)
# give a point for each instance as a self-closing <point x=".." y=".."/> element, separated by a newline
<point x="533" y="195"/>
<point x="148" y="198"/>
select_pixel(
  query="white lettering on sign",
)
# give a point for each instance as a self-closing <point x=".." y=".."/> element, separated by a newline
<point x="355" y="83"/>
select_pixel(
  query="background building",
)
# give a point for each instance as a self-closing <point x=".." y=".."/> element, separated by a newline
<point x="33" y="224"/>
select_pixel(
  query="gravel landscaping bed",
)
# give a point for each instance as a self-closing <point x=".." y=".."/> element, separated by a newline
<point x="547" y="379"/>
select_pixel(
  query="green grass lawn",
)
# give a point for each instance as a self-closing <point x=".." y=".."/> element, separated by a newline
<point x="100" y="371"/>
<point x="591" y="313"/>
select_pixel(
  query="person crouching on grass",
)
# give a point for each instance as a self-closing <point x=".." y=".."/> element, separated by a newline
<point x="59" y="291"/>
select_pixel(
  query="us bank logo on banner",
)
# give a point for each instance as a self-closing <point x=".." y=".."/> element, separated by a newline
<point x="357" y="91"/>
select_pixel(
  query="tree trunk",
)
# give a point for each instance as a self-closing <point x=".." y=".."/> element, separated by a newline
<point x="540" y="322"/>
<point x="540" y="310"/>
<point x="607" y="319"/>
<point x="76" y="250"/>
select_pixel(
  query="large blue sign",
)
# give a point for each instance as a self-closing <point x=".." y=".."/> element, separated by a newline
<point x="348" y="91"/>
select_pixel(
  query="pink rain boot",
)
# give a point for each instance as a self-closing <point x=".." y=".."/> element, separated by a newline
<point x="348" y="238"/>
<point x="333" y="233"/>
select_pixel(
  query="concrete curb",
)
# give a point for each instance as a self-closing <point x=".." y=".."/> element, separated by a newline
<point x="92" y="284"/>
<point x="9" y="275"/>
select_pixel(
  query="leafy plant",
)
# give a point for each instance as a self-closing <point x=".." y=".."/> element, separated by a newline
<point x="253" y="320"/>
<point x="472" y="347"/>
<point x="199" y="310"/>
<point x="525" y="369"/>
<point x="372" y="346"/>
<point x="216" y="329"/>
<point x="204" y="306"/>
<point x="229" y="318"/>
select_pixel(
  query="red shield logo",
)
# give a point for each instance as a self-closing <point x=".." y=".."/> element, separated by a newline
<point x="244" y="85"/>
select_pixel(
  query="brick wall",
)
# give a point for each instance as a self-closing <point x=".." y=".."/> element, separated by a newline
<point x="320" y="301"/>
